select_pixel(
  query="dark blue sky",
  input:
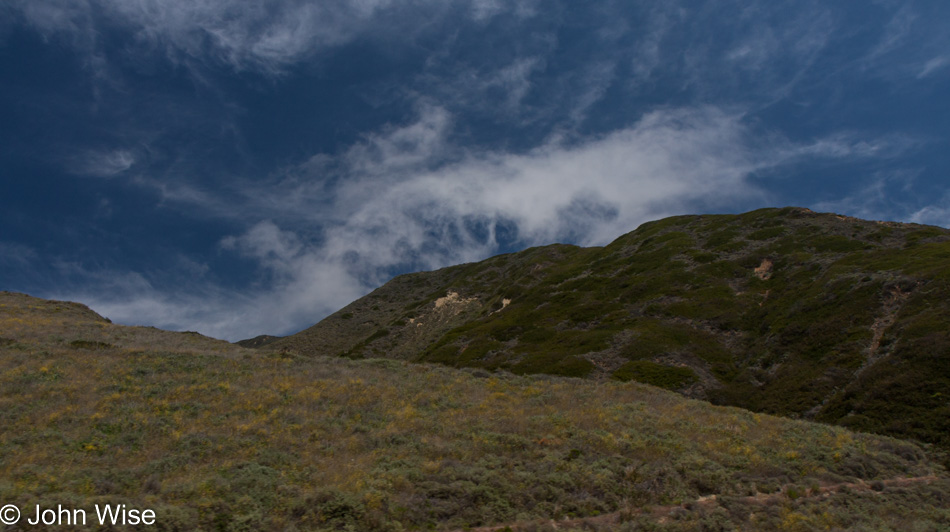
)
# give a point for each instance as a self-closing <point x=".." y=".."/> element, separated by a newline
<point x="240" y="167"/>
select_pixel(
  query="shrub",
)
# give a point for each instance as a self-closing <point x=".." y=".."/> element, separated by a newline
<point x="669" y="377"/>
<point x="90" y="344"/>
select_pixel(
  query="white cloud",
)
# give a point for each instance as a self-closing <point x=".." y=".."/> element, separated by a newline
<point x="412" y="177"/>
<point x="485" y="9"/>
<point x="307" y="288"/>
<point x="496" y="87"/>
<point x="264" y="36"/>
<point x="932" y="215"/>
<point x="401" y="202"/>
<point x="937" y="214"/>
<point x="514" y="79"/>
<point x="855" y="145"/>
<point x="896" y="32"/>
<point x="662" y="163"/>
<point x="102" y="163"/>
<point x="266" y="243"/>
<point x="16" y="256"/>
<point x="53" y="17"/>
<point x="934" y="65"/>
<point x="913" y="43"/>
<point x="396" y="149"/>
<point x="889" y="196"/>
<point x="869" y="202"/>
<point x="405" y="197"/>
<point x="597" y="79"/>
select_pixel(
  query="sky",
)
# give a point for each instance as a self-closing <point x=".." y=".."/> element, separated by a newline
<point x="241" y="167"/>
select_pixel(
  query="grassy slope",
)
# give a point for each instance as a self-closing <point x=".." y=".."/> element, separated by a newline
<point x="846" y="322"/>
<point x="215" y="437"/>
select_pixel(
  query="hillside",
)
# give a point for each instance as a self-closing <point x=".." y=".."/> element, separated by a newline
<point x="783" y="311"/>
<point x="258" y="341"/>
<point x="212" y="436"/>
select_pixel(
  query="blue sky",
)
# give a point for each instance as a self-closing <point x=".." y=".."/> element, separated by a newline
<point x="241" y="167"/>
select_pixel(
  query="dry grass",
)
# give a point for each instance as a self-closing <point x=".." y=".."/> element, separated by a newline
<point x="222" y="438"/>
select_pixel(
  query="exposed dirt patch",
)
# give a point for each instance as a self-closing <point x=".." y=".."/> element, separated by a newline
<point x="894" y="299"/>
<point x="453" y="300"/>
<point x="764" y="271"/>
<point x="504" y="303"/>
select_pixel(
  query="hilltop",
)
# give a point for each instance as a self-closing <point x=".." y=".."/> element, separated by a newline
<point x="212" y="436"/>
<point x="784" y="311"/>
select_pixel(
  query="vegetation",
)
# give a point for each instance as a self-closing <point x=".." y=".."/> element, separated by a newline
<point x="216" y="437"/>
<point x="671" y="378"/>
<point x="781" y="311"/>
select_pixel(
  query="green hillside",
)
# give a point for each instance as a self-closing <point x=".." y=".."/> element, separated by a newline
<point x="212" y="436"/>
<point x="783" y="311"/>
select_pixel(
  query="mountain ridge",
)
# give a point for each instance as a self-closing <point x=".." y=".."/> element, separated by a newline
<point x="784" y="311"/>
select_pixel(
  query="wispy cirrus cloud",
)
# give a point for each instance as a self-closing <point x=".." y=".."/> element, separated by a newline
<point x="265" y="37"/>
<point x="911" y="45"/>
<point x="510" y="124"/>
<point x="891" y="195"/>
<point x="405" y="198"/>
<point x="101" y="163"/>
<point x="934" y="65"/>
<point x="935" y="214"/>
<point x="16" y="256"/>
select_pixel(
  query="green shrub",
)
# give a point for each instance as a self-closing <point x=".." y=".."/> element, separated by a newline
<point x="767" y="233"/>
<point x="669" y="377"/>
<point x="553" y="363"/>
<point x="720" y="238"/>
<point x="380" y="333"/>
<point x="836" y="244"/>
<point x="90" y="344"/>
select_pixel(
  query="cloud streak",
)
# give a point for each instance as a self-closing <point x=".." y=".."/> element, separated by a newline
<point x="266" y="37"/>
<point x="102" y="163"/>
<point x="525" y="126"/>
<point x="405" y="198"/>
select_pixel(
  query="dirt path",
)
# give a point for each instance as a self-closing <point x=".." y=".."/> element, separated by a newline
<point x="662" y="513"/>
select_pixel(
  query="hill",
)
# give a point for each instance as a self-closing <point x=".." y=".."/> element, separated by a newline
<point x="258" y="341"/>
<point x="212" y="436"/>
<point x="783" y="311"/>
